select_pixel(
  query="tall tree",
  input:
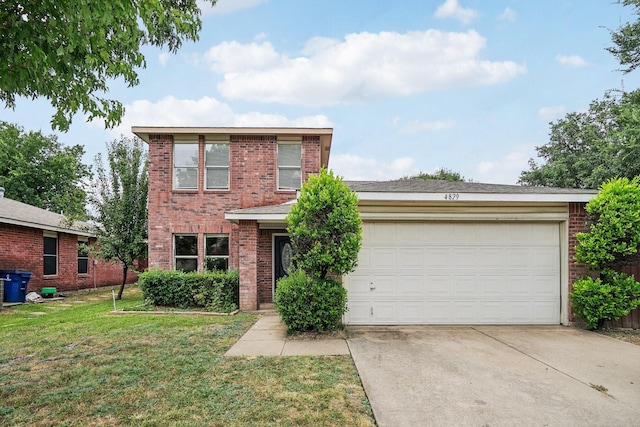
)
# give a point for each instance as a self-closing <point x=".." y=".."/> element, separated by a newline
<point x="442" y="174"/>
<point x="626" y="40"/>
<point x="586" y="149"/>
<point x="120" y="203"/>
<point x="40" y="171"/>
<point x="68" y="50"/>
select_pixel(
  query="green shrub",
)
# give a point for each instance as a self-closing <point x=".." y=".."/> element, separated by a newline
<point x="309" y="304"/>
<point x="609" y="298"/>
<point x="213" y="290"/>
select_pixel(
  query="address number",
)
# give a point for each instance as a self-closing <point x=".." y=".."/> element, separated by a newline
<point x="451" y="196"/>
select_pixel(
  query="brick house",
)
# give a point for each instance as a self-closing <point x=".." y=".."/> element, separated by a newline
<point x="38" y="241"/>
<point x="434" y="252"/>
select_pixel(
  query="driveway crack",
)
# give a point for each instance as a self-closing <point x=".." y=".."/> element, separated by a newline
<point x="590" y="385"/>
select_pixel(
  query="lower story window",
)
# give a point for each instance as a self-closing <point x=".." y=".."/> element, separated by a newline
<point x="83" y="257"/>
<point x="185" y="249"/>
<point x="216" y="252"/>
<point x="50" y="254"/>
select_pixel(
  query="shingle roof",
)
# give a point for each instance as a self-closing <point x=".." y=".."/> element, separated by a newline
<point x="18" y="213"/>
<point x="417" y="185"/>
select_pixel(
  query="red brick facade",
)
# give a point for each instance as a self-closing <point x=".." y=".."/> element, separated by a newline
<point x="252" y="183"/>
<point x="577" y="224"/>
<point x="22" y="248"/>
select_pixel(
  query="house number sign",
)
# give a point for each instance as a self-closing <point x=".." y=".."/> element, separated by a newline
<point x="452" y="196"/>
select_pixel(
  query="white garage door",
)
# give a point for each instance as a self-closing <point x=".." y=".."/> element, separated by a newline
<point x="456" y="273"/>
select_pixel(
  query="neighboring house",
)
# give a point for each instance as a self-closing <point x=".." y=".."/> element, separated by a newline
<point x="39" y="241"/>
<point x="434" y="252"/>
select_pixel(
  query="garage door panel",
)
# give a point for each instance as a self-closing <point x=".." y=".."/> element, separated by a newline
<point x="437" y="312"/>
<point x="463" y="258"/>
<point x="384" y="258"/>
<point x="411" y="258"/>
<point x="411" y="286"/>
<point x="359" y="312"/>
<point x="545" y="257"/>
<point x="437" y="257"/>
<point x="457" y="273"/>
<point x="384" y="285"/>
<point x="411" y="312"/>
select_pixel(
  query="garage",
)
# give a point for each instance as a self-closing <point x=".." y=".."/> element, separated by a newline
<point x="457" y="272"/>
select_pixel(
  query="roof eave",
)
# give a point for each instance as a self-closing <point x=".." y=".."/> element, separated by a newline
<point x="476" y="197"/>
<point x="46" y="227"/>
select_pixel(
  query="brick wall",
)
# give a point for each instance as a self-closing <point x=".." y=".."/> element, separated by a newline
<point x="21" y="248"/>
<point x="252" y="183"/>
<point x="577" y="224"/>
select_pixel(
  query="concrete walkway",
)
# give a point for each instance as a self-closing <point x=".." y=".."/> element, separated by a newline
<point x="268" y="337"/>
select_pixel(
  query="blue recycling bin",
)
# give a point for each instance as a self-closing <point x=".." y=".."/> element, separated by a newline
<point x="15" y="285"/>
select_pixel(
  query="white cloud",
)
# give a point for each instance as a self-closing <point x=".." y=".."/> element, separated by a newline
<point x="571" y="60"/>
<point x="227" y="6"/>
<point x="352" y="167"/>
<point x="451" y="9"/>
<point x="508" y="14"/>
<point x="417" y="126"/>
<point x="505" y="170"/>
<point x="361" y="68"/>
<point x="206" y="111"/>
<point x="551" y="113"/>
<point x="163" y="58"/>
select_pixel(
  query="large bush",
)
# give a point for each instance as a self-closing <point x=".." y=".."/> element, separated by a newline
<point x="325" y="227"/>
<point x="613" y="238"/>
<point x="612" y="241"/>
<point x="326" y="235"/>
<point x="610" y="297"/>
<point x="309" y="304"/>
<point x="212" y="290"/>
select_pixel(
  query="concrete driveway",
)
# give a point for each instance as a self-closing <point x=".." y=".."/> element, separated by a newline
<point x="497" y="376"/>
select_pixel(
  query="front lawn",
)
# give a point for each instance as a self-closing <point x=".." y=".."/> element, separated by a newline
<point x="69" y="363"/>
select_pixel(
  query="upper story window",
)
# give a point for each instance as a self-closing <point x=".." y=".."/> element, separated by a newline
<point x="185" y="165"/>
<point x="289" y="166"/>
<point x="50" y="254"/>
<point x="217" y="166"/>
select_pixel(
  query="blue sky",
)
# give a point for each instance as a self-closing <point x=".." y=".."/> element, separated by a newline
<point x="408" y="86"/>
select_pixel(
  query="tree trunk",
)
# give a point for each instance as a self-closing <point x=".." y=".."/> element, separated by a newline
<point x="125" y="269"/>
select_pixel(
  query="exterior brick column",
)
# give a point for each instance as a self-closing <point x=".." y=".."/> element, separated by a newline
<point x="248" y="265"/>
<point x="577" y="224"/>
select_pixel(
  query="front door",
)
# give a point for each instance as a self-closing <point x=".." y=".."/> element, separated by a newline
<point x="282" y="251"/>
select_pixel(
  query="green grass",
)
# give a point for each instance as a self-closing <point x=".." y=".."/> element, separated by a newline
<point x="69" y="363"/>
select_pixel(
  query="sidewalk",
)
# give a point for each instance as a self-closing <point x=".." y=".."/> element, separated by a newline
<point x="268" y="337"/>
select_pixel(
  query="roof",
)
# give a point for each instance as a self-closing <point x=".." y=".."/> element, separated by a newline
<point x="22" y="214"/>
<point x="325" y="134"/>
<point x="418" y="185"/>
<point x="420" y="190"/>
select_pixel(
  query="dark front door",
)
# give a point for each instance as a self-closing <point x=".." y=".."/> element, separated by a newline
<point x="282" y="257"/>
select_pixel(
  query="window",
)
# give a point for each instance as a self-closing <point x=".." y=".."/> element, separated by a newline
<point x="217" y="166"/>
<point x="185" y="166"/>
<point x="216" y="252"/>
<point x="50" y="257"/>
<point x="186" y="252"/>
<point x="289" y="166"/>
<point x="83" y="257"/>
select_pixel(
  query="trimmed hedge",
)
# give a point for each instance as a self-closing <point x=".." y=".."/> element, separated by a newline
<point x="309" y="304"/>
<point x="212" y="290"/>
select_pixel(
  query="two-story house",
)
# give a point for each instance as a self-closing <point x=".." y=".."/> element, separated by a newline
<point x="433" y="252"/>
<point x="197" y="175"/>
